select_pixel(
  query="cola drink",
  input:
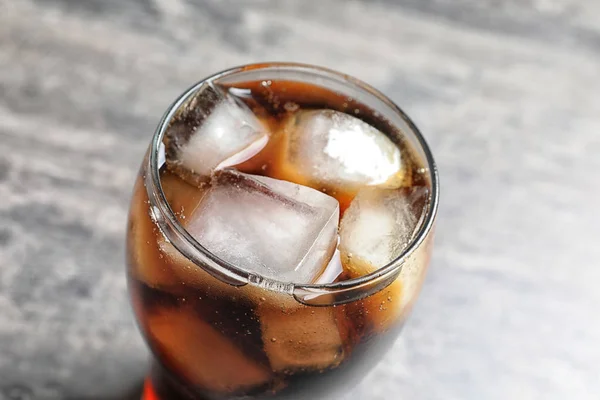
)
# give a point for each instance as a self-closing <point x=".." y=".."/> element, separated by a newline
<point x="289" y="183"/>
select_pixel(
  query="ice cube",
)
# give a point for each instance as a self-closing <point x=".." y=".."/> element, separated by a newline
<point x="274" y="228"/>
<point x="214" y="130"/>
<point x="198" y="352"/>
<point x="299" y="337"/>
<point x="375" y="229"/>
<point x="333" y="150"/>
<point x="380" y="223"/>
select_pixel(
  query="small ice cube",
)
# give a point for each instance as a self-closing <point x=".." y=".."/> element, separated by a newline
<point x="278" y="229"/>
<point x="215" y="130"/>
<point x="301" y="337"/>
<point x="380" y="223"/>
<point x="327" y="148"/>
<point x="197" y="351"/>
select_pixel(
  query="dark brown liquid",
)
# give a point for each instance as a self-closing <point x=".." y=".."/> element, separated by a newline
<point x="215" y="341"/>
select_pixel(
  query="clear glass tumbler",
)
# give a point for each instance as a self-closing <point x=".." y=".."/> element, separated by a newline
<point x="217" y="331"/>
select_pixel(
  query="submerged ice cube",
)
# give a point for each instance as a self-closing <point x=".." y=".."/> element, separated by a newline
<point x="331" y="149"/>
<point x="380" y="223"/>
<point x="214" y="130"/>
<point x="278" y="229"/>
<point x="299" y="337"/>
<point x="197" y="351"/>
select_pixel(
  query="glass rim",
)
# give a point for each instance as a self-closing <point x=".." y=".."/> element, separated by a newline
<point x="175" y="233"/>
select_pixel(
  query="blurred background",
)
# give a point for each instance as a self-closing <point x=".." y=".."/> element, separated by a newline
<point x="506" y="93"/>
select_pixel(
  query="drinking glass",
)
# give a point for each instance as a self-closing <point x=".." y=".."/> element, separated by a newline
<point x="219" y="332"/>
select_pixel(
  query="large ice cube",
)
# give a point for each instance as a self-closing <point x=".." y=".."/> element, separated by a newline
<point x="380" y="223"/>
<point x="214" y="130"/>
<point x="278" y="229"/>
<point x="334" y="150"/>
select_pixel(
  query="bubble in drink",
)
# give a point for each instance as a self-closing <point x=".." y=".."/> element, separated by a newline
<point x="331" y="149"/>
<point x="380" y="223"/>
<point x="214" y="131"/>
<point x="275" y="228"/>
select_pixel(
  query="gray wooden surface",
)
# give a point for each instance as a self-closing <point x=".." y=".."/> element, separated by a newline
<point x="507" y="93"/>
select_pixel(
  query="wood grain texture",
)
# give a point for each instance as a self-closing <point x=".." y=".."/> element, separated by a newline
<point x="505" y="92"/>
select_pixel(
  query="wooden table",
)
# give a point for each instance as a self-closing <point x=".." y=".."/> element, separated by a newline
<point x="506" y="92"/>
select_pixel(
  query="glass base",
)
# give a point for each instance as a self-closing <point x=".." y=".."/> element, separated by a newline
<point x="149" y="393"/>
